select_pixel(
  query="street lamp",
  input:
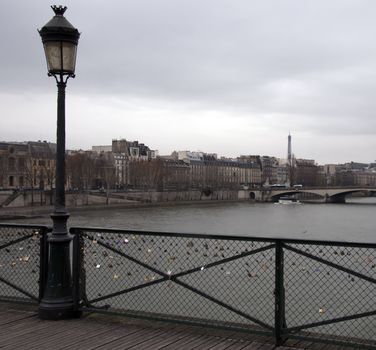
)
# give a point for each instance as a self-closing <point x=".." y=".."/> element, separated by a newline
<point x="60" y="41"/>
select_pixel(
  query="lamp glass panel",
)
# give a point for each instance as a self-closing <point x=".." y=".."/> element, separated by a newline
<point x="69" y="57"/>
<point x="52" y="50"/>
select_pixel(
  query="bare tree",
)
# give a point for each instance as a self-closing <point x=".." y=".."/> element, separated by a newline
<point x="81" y="172"/>
<point x="48" y="170"/>
<point x="105" y="173"/>
<point x="30" y="174"/>
<point x="3" y="171"/>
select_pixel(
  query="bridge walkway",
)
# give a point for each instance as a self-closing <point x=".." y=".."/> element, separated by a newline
<point x="20" y="328"/>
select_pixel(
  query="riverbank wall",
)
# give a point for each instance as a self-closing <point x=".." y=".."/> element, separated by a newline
<point x="10" y="199"/>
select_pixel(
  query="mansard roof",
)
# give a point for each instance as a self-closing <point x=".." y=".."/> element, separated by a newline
<point x="16" y="146"/>
<point x="42" y="150"/>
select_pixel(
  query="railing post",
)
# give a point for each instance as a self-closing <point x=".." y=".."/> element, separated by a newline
<point x="42" y="261"/>
<point x="280" y="317"/>
<point x="76" y="267"/>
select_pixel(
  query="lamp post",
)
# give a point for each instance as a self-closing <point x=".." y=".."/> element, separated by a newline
<point x="60" y="41"/>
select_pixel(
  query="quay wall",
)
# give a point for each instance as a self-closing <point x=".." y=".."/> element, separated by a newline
<point x="43" y="198"/>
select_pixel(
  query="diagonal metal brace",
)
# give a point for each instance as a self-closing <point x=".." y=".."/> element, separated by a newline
<point x="18" y="240"/>
<point x="10" y="284"/>
<point x="331" y="264"/>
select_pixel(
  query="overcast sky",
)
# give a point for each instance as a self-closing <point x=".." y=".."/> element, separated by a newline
<point x="225" y="76"/>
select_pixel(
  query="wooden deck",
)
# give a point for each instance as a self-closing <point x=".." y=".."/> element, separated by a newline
<point x="20" y="328"/>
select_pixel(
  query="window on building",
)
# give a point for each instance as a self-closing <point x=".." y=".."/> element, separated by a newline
<point x="11" y="164"/>
<point x="21" y="163"/>
<point x="11" y="181"/>
<point x="21" y="181"/>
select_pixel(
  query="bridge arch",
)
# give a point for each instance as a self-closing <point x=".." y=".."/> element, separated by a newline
<point x="285" y="193"/>
<point x="329" y="195"/>
<point x="340" y="197"/>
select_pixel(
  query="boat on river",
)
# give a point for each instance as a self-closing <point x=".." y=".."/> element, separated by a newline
<point x="288" y="200"/>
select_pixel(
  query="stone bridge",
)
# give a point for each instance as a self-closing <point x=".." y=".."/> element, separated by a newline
<point x="328" y="194"/>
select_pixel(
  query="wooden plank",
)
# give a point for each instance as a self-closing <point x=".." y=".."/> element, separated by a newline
<point x="73" y="333"/>
<point x="317" y="346"/>
<point x="243" y="345"/>
<point x="100" y="340"/>
<point x="255" y="345"/>
<point x="85" y="334"/>
<point x="35" y="337"/>
<point x="164" y="339"/>
<point x="184" y="342"/>
<point x="267" y="347"/>
<point x="23" y="332"/>
<point x="199" y="341"/>
<point x="224" y="344"/>
<point x="132" y="340"/>
<point x="302" y="344"/>
<point x="9" y="317"/>
<point x="49" y="341"/>
<point x="50" y="331"/>
<point x="210" y="343"/>
<point x="14" y="326"/>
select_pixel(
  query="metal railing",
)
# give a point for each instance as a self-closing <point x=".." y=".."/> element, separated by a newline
<point x="21" y="247"/>
<point x="289" y="289"/>
<point x="311" y="290"/>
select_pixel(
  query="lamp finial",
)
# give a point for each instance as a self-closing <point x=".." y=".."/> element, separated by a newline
<point x="59" y="10"/>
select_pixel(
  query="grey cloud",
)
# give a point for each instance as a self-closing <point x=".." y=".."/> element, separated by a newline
<point x="311" y="64"/>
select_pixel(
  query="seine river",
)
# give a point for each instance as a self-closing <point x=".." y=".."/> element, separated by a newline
<point x="352" y="221"/>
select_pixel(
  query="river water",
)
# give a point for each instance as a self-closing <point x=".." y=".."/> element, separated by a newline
<point x="352" y="221"/>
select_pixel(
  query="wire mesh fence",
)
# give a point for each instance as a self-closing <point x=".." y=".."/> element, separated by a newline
<point x="20" y="262"/>
<point x="313" y="290"/>
<point x="330" y="292"/>
<point x="322" y="291"/>
<point x="181" y="277"/>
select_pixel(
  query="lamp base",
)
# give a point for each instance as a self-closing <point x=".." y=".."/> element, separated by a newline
<point x="57" y="311"/>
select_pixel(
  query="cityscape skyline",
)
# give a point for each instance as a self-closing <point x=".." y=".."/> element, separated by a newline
<point x="133" y="164"/>
<point x="107" y="147"/>
<point x="212" y="76"/>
